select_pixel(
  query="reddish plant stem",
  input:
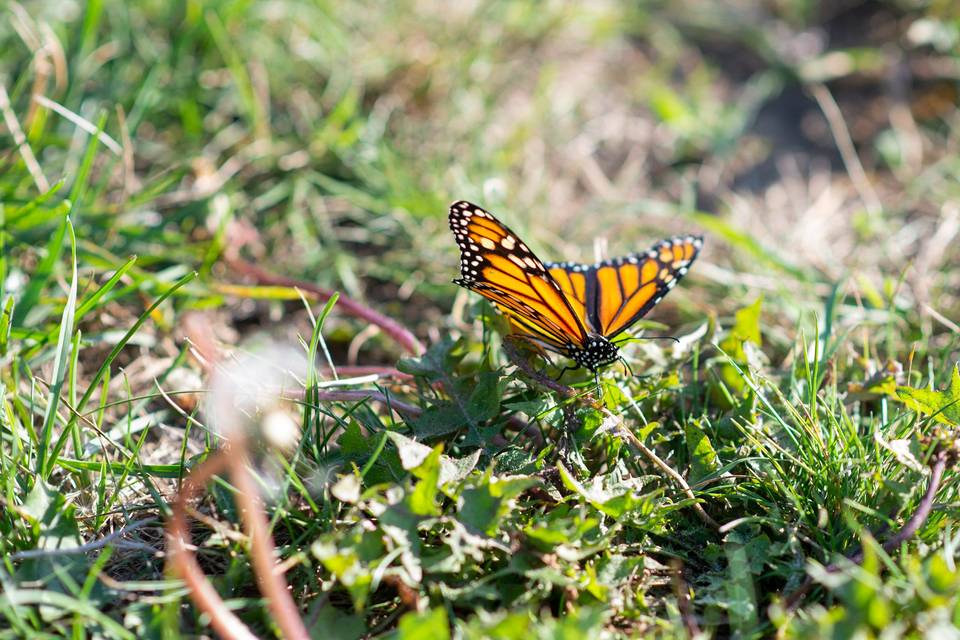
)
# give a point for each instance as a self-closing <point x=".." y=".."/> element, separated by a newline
<point x="183" y="563"/>
<point x="400" y="334"/>
<point x="270" y="580"/>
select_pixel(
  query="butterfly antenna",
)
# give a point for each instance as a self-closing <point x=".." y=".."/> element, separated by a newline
<point x="628" y="338"/>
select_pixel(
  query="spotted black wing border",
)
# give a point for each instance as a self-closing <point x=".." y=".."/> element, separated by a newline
<point x="473" y="261"/>
<point x="592" y="293"/>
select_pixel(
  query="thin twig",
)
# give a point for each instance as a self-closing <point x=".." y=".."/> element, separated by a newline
<point x="655" y="459"/>
<point x="524" y="365"/>
<point x="400" y="334"/>
<point x="83" y="548"/>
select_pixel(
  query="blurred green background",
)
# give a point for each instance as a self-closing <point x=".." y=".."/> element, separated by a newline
<point x="815" y="144"/>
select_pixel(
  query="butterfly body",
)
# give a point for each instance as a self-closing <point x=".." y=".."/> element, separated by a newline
<point x="573" y="309"/>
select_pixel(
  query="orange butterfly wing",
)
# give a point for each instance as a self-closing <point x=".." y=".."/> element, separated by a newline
<point x="495" y="263"/>
<point x="610" y="296"/>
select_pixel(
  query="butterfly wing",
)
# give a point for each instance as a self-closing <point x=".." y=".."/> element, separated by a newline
<point x="614" y="294"/>
<point x="495" y="263"/>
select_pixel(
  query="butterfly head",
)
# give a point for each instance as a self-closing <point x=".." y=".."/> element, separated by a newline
<point x="597" y="351"/>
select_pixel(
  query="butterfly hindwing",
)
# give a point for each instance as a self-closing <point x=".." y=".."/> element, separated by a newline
<point x="614" y="294"/>
<point x="495" y="263"/>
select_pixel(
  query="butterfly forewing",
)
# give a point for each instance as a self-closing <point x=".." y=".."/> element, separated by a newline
<point x="500" y="267"/>
<point x="616" y="293"/>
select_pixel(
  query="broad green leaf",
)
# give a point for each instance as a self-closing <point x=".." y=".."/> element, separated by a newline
<point x="413" y="454"/>
<point x="740" y="593"/>
<point x="423" y="498"/>
<point x="439" y="420"/>
<point x="942" y="406"/>
<point x="329" y="623"/>
<point x="746" y="324"/>
<point x="54" y="524"/>
<point x="436" y="363"/>
<point x="430" y="625"/>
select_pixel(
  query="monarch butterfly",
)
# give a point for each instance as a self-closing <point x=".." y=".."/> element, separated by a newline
<point x="575" y="310"/>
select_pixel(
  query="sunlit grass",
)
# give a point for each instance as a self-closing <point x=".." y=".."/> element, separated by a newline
<point x="211" y="172"/>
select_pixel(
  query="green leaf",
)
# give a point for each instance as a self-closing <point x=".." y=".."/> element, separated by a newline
<point x="346" y="567"/>
<point x="352" y="441"/>
<point x="479" y="510"/>
<point x="430" y="625"/>
<point x="55" y="526"/>
<point x="703" y="457"/>
<point x="331" y="623"/>
<point x="413" y="454"/>
<point x="483" y="506"/>
<point x="484" y="402"/>
<point x="60" y="361"/>
<point x="741" y="597"/>
<point x="599" y="498"/>
<point x="942" y="406"/>
<point x="439" y="420"/>
<point x="423" y="498"/>
<point x="746" y="323"/>
<point x="436" y="363"/>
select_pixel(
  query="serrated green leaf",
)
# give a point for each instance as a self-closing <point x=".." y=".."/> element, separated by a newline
<point x="437" y="362"/>
<point x="439" y="420"/>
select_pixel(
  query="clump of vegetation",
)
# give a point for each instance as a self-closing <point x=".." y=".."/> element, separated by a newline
<point x="182" y="185"/>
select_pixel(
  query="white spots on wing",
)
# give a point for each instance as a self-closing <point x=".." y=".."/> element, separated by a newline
<point x="488" y="244"/>
<point x="508" y="242"/>
<point x="533" y="264"/>
<point x="517" y="260"/>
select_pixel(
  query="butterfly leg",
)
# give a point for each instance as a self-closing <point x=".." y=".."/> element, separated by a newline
<point x="563" y="371"/>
